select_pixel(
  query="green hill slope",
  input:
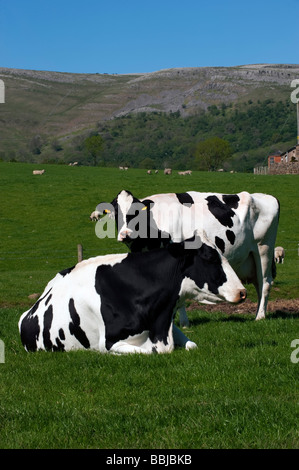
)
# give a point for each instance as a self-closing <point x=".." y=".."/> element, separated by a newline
<point x="44" y="111"/>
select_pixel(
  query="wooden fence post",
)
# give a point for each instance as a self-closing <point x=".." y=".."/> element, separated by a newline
<point x="80" y="252"/>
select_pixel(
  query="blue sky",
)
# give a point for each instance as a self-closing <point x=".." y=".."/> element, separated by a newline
<point x="132" y="36"/>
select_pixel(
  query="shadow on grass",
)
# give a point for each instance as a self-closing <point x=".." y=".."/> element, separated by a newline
<point x="283" y="314"/>
<point x="206" y="317"/>
<point x="215" y="317"/>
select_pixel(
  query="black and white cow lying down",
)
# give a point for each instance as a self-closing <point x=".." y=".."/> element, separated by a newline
<point x="243" y="226"/>
<point x="124" y="303"/>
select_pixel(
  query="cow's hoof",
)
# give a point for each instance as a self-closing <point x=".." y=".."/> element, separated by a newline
<point x="260" y="317"/>
<point x="190" y="345"/>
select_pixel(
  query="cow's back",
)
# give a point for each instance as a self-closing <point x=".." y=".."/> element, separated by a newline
<point x="55" y="321"/>
<point x="265" y="216"/>
<point x="104" y="300"/>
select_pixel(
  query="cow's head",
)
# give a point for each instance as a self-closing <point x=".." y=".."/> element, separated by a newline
<point x="208" y="275"/>
<point x="133" y="219"/>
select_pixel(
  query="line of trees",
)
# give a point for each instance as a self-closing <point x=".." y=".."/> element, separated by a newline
<point x="229" y="136"/>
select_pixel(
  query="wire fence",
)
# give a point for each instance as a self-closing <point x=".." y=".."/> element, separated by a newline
<point x="53" y="254"/>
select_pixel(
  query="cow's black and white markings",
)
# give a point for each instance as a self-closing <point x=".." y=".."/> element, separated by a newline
<point x="222" y="211"/>
<point x="185" y="198"/>
<point x="124" y="303"/>
<point x="243" y="226"/>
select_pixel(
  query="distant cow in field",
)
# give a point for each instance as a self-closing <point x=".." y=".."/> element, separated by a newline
<point x="187" y="172"/>
<point x="124" y="303"/>
<point x="167" y="171"/>
<point x="149" y="172"/>
<point x="279" y="254"/>
<point x="243" y="226"/>
<point x="38" y="172"/>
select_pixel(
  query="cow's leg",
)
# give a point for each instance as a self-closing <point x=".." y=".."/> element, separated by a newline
<point x="140" y="344"/>
<point x="263" y="262"/>
<point x="262" y="304"/>
<point x="181" y="340"/>
<point x="143" y="344"/>
<point x="184" y="320"/>
<point x="125" y="348"/>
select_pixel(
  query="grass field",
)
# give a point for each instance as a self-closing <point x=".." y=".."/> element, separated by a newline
<point x="238" y="389"/>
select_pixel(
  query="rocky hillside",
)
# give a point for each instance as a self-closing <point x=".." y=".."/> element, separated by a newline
<point x="54" y="104"/>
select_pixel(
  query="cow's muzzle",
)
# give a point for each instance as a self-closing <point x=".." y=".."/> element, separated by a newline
<point x="124" y="234"/>
<point x="241" y="296"/>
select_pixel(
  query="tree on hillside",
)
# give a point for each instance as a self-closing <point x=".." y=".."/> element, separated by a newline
<point x="94" y="146"/>
<point x="56" y="145"/>
<point x="147" y="163"/>
<point x="210" y="154"/>
<point x="35" y="145"/>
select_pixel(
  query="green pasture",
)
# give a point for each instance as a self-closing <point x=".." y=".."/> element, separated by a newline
<point x="238" y="389"/>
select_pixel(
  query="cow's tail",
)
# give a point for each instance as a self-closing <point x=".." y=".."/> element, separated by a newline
<point x="273" y="258"/>
<point x="273" y="268"/>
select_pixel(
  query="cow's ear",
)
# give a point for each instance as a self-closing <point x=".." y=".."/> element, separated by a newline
<point x="148" y="204"/>
<point x="105" y="208"/>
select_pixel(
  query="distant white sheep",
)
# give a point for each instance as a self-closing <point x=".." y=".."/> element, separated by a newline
<point x="95" y="215"/>
<point x="38" y="172"/>
<point x="279" y="254"/>
<point x="167" y="171"/>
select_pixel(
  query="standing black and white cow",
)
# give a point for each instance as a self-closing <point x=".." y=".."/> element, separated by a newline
<point x="124" y="303"/>
<point x="243" y="226"/>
